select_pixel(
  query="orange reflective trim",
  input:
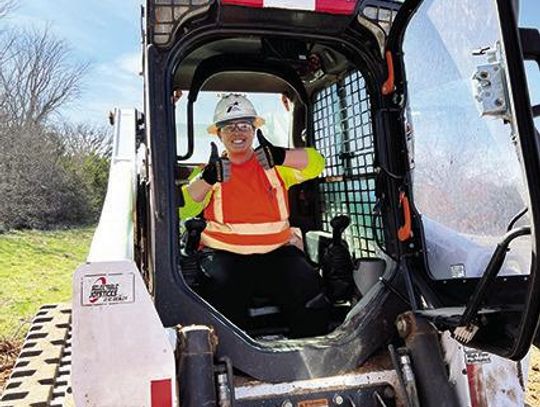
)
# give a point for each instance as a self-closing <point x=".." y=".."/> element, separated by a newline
<point x="218" y="202"/>
<point x="276" y="208"/>
<point x="405" y="231"/>
<point x="247" y="215"/>
<point x="273" y="178"/>
<point x="247" y="228"/>
<point x="246" y="240"/>
<point x="389" y="85"/>
<point x="240" y="249"/>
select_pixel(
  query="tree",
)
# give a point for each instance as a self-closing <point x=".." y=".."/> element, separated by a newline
<point x="87" y="152"/>
<point x="37" y="77"/>
<point x="84" y="139"/>
<point x="37" y="191"/>
<point x="5" y="46"/>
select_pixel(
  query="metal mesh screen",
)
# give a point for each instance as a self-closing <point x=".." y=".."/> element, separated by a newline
<point x="343" y="134"/>
<point x="382" y="13"/>
<point x="168" y="13"/>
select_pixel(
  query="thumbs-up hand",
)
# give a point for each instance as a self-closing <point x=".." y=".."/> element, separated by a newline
<point x="269" y="155"/>
<point x="218" y="169"/>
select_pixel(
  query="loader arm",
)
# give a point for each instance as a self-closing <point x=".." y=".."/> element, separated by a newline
<point x="121" y="352"/>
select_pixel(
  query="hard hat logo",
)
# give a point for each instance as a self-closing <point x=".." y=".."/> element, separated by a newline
<point x="234" y="107"/>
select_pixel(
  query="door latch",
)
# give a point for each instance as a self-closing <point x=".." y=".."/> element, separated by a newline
<point x="489" y="84"/>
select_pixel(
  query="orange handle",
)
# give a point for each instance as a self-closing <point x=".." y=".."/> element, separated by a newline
<point x="389" y="85"/>
<point x="405" y="231"/>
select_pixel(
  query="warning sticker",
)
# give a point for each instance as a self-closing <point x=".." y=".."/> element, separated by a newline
<point x="476" y="357"/>
<point x="108" y="289"/>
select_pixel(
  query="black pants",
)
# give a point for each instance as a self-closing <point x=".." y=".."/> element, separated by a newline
<point x="284" y="275"/>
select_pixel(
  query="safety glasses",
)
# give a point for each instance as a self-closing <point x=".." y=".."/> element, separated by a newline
<point x="242" y="127"/>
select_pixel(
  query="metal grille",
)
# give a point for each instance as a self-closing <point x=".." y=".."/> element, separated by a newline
<point x="343" y="134"/>
<point x="382" y="13"/>
<point x="167" y="14"/>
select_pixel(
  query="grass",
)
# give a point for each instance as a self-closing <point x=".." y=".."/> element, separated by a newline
<point x="36" y="268"/>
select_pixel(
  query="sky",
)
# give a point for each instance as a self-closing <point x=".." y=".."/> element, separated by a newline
<point x="106" y="34"/>
<point x="103" y="33"/>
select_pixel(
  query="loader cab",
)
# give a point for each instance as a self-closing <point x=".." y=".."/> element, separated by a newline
<point x="430" y="173"/>
<point x="293" y="85"/>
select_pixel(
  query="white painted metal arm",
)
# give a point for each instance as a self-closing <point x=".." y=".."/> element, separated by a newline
<point x="113" y="239"/>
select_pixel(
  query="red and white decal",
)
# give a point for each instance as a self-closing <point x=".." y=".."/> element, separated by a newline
<point x="477" y="386"/>
<point x="481" y="379"/>
<point x="107" y="289"/>
<point x="345" y="7"/>
<point x="474" y="361"/>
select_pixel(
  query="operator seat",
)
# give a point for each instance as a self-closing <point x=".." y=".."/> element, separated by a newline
<point x="266" y="318"/>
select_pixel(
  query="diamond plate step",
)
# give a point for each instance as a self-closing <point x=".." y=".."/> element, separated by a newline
<point x="41" y="376"/>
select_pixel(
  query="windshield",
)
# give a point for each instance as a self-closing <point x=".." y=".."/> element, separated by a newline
<point x="268" y="105"/>
<point x="468" y="182"/>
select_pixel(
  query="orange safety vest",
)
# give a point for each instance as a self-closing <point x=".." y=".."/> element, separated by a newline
<point x="249" y="213"/>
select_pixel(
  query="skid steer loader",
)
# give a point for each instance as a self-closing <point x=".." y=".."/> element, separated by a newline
<point x="431" y="185"/>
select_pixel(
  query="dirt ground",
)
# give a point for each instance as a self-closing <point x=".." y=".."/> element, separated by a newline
<point x="8" y="354"/>
<point x="10" y="349"/>
<point x="533" y="391"/>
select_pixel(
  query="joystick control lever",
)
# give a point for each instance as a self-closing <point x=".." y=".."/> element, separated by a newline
<point x="337" y="265"/>
<point x="194" y="228"/>
<point x="339" y="224"/>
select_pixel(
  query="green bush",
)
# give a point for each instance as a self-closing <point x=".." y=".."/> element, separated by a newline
<point x="91" y="173"/>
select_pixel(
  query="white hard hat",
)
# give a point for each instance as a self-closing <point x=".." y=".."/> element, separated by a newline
<point x="232" y="107"/>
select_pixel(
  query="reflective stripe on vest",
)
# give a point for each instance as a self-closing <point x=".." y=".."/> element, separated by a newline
<point x="248" y="238"/>
<point x="246" y="228"/>
<point x="218" y="203"/>
<point x="251" y="249"/>
<point x="272" y="176"/>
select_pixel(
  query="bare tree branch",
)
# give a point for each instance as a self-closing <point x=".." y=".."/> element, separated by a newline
<point x="85" y="139"/>
<point x="6" y="6"/>
<point x="38" y="77"/>
<point x="46" y="178"/>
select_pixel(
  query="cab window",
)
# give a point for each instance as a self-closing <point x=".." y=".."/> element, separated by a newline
<point x="270" y="106"/>
<point x="468" y="180"/>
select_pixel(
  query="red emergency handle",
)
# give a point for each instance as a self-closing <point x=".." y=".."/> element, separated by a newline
<point x="389" y="85"/>
<point x="405" y="231"/>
